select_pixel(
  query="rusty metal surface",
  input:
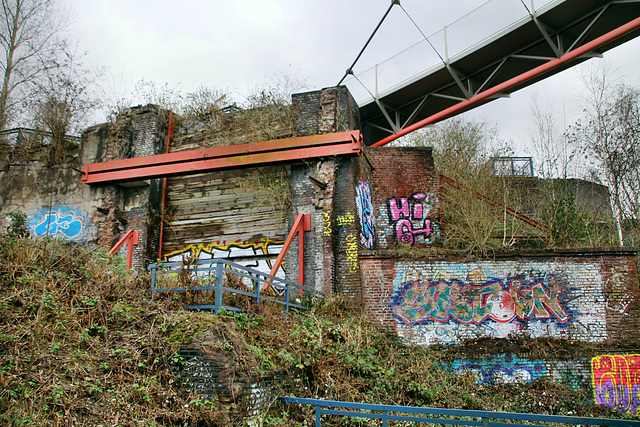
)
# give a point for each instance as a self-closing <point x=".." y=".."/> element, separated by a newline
<point x="234" y="156"/>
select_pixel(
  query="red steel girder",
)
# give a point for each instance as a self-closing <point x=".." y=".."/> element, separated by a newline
<point x="131" y="238"/>
<point x="231" y="156"/>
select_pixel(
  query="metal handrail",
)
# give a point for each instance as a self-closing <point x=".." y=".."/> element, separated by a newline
<point x="388" y="413"/>
<point x="221" y="267"/>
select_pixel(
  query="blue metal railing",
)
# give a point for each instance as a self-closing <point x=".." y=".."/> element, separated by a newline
<point x="387" y="413"/>
<point x="215" y="270"/>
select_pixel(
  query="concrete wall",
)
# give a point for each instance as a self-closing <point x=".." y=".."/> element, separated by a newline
<point x="59" y="205"/>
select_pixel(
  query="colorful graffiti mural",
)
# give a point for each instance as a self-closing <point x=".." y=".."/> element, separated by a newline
<point x="501" y="369"/>
<point x="59" y="222"/>
<point x="408" y="218"/>
<point x="439" y="302"/>
<point x="616" y="382"/>
<point x="259" y="256"/>
<point x="498" y="300"/>
<point x="365" y="212"/>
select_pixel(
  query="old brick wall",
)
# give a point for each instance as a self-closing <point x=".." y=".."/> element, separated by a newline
<point x="137" y="132"/>
<point x="505" y="316"/>
<point x="613" y="378"/>
<point x="592" y="296"/>
<point x="404" y="190"/>
<point x="319" y="188"/>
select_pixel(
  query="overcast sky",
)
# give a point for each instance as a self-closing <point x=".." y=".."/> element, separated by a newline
<point x="240" y="45"/>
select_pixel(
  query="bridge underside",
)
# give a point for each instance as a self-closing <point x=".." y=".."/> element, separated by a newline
<point x="542" y="38"/>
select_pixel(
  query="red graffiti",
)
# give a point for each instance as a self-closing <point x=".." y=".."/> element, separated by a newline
<point x="616" y="382"/>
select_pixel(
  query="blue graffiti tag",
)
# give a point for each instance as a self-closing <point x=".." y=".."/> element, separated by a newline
<point x="67" y="223"/>
<point x="502" y="368"/>
<point x="365" y="210"/>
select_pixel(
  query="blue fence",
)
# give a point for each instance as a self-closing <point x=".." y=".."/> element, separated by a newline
<point x="459" y="417"/>
<point x="209" y="275"/>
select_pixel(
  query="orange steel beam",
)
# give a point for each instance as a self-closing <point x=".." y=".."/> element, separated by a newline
<point x="203" y="160"/>
<point x="513" y="212"/>
<point x="301" y="223"/>
<point x="535" y="72"/>
<point x="131" y="238"/>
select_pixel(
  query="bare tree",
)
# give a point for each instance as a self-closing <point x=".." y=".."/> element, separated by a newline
<point x="29" y="42"/>
<point x="609" y="133"/>
<point x="64" y="99"/>
<point x="554" y="153"/>
<point x="475" y="203"/>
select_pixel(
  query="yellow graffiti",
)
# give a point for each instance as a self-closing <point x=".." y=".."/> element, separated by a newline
<point x="345" y="219"/>
<point x="326" y="220"/>
<point x="196" y="251"/>
<point x="352" y="253"/>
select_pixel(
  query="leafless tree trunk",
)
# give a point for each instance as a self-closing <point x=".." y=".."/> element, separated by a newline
<point x="29" y="44"/>
<point x="610" y="134"/>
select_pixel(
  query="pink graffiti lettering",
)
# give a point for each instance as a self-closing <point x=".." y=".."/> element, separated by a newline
<point x="472" y="304"/>
<point x="616" y="382"/>
<point x="408" y="215"/>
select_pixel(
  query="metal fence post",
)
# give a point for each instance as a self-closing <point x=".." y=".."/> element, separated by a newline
<point x="286" y="298"/>
<point x="153" y="279"/>
<point x="317" y="416"/>
<point x="385" y="420"/>
<point x="257" y="285"/>
<point x="219" y="282"/>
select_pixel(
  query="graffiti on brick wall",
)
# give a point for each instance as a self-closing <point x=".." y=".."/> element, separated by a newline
<point x="365" y="212"/>
<point x="448" y="303"/>
<point x="345" y="219"/>
<point x="501" y="369"/>
<point x="499" y="300"/>
<point x="407" y="217"/>
<point x="352" y="253"/>
<point x="616" y="382"/>
<point x="326" y="223"/>
<point x="59" y="222"/>
<point x="259" y="256"/>
<point x="617" y="299"/>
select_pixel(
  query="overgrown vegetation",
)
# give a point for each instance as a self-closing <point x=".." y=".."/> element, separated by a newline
<point x="82" y="344"/>
<point x="483" y="211"/>
<point x="473" y="201"/>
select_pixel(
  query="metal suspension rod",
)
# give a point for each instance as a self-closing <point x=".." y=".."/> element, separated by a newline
<point x="350" y="69"/>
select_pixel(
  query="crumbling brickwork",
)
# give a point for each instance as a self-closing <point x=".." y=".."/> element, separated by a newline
<point x="137" y="132"/>
<point x="320" y="188"/>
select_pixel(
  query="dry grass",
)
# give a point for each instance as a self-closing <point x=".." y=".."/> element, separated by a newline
<point x="81" y="344"/>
